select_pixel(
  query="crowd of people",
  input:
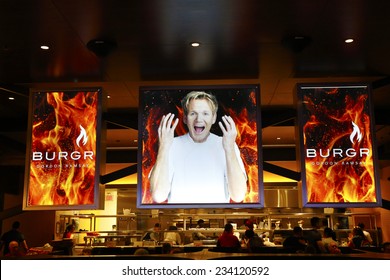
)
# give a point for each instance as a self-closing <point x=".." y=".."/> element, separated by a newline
<point x="315" y="242"/>
<point x="312" y="241"/>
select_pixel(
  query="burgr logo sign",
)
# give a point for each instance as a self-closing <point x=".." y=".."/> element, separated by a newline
<point x="355" y="134"/>
<point x="355" y="138"/>
<point x="65" y="155"/>
<point x="83" y="136"/>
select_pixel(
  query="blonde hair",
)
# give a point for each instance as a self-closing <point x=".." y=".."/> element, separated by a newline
<point x="211" y="99"/>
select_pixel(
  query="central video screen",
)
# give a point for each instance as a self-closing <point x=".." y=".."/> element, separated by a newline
<point x="199" y="147"/>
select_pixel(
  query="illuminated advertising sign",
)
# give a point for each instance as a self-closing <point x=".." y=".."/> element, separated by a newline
<point x="337" y="149"/>
<point x="199" y="147"/>
<point x="63" y="153"/>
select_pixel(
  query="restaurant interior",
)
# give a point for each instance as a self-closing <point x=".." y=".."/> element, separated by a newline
<point x="122" y="46"/>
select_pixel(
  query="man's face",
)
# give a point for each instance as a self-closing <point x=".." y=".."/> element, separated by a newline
<point x="14" y="247"/>
<point x="199" y="119"/>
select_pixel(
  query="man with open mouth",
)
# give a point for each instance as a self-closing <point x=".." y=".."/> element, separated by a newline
<point x="199" y="166"/>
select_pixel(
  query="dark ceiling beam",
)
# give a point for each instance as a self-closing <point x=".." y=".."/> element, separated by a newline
<point x="278" y="117"/>
<point x="281" y="171"/>
<point x="14" y="89"/>
<point x="121" y="173"/>
<point x="121" y="119"/>
<point x="380" y="83"/>
<point x="121" y="156"/>
<point x="279" y="154"/>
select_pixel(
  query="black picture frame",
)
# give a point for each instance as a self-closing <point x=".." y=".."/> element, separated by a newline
<point x="63" y="160"/>
<point x="337" y="149"/>
<point x="242" y="102"/>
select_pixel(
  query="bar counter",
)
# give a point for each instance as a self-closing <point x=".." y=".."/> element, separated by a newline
<point x="204" y="253"/>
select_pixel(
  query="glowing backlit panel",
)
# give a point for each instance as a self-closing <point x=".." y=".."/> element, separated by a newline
<point x="62" y="163"/>
<point x="338" y="154"/>
<point x="241" y="102"/>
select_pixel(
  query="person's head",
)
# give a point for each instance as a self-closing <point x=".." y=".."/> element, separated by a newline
<point x="361" y="225"/>
<point x="249" y="234"/>
<point x="201" y="222"/>
<point x="315" y="222"/>
<point x="228" y="227"/>
<point x="328" y="232"/>
<point x="249" y="224"/>
<point x="357" y="231"/>
<point x="172" y="228"/>
<point x="16" y="225"/>
<point x="141" y="251"/>
<point x="157" y="227"/>
<point x="70" y="228"/>
<point x="298" y="231"/>
<point x="166" y="248"/>
<point x="333" y="248"/>
<point x="13" y="248"/>
<point x="200" y="113"/>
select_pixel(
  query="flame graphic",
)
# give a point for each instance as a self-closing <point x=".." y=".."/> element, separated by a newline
<point x="246" y="124"/>
<point x="83" y="136"/>
<point x="332" y="178"/>
<point x="356" y="132"/>
<point x="69" y="180"/>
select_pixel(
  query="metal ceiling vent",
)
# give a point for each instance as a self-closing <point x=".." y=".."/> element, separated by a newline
<point x="101" y="47"/>
<point x="296" y="43"/>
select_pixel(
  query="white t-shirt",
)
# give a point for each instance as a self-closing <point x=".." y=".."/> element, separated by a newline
<point x="368" y="236"/>
<point x="173" y="237"/>
<point x="197" y="171"/>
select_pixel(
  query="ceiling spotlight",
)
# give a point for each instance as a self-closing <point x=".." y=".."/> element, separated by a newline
<point x="44" y="47"/>
<point x="348" y="41"/>
<point x="195" y="44"/>
<point x="11" y="98"/>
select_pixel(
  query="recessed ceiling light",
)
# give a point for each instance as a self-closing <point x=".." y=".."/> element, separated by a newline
<point x="108" y="96"/>
<point x="278" y="138"/>
<point x="11" y="98"/>
<point x="43" y="47"/>
<point x="195" y="44"/>
<point x="348" y="41"/>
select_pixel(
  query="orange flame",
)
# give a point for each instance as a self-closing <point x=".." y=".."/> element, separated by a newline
<point x="330" y="177"/>
<point x="63" y="173"/>
<point x="247" y="142"/>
